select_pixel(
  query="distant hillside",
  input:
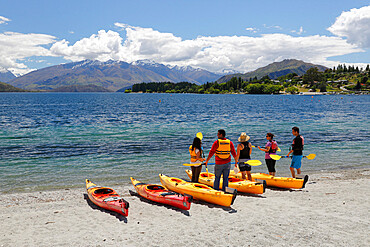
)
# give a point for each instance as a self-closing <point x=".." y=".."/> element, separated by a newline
<point x="112" y="75"/>
<point x="276" y="70"/>
<point x="81" y="88"/>
<point x="9" y="88"/>
<point x="6" y="75"/>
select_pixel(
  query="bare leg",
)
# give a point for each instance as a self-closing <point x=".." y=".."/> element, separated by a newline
<point x="272" y="173"/>
<point x="292" y="171"/>
<point x="299" y="171"/>
<point x="243" y="175"/>
<point x="249" y="175"/>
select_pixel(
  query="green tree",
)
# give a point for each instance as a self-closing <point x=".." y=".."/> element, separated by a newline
<point x="312" y="75"/>
<point x="358" y="86"/>
<point x="322" y="87"/>
<point x="292" y="90"/>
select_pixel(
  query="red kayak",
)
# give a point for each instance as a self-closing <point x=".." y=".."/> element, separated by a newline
<point x="158" y="193"/>
<point x="106" y="198"/>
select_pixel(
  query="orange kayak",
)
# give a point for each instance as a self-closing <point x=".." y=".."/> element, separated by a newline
<point x="199" y="191"/>
<point x="239" y="184"/>
<point x="107" y="198"/>
<point x="280" y="182"/>
<point x="158" y="193"/>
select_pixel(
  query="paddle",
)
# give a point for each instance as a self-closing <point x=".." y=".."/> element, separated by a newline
<point x="249" y="162"/>
<point x="277" y="157"/>
<point x="199" y="135"/>
<point x="279" y="150"/>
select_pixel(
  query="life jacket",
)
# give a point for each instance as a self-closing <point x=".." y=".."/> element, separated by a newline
<point x="273" y="147"/>
<point x="224" y="149"/>
<point x="244" y="153"/>
<point x="193" y="155"/>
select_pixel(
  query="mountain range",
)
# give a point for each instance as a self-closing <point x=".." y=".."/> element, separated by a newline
<point x="275" y="70"/>
<point x="112" y="75"/>
<point x="6" y="75"/>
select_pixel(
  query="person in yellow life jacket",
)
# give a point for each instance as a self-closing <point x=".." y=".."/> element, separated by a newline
<point x="195" y="151"/>
<point x="222" y="149"/>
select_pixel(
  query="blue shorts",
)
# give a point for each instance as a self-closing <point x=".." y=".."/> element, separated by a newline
<point x="296" y="161"/>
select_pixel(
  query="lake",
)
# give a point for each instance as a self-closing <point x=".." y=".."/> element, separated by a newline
<point x="56" y="140"/>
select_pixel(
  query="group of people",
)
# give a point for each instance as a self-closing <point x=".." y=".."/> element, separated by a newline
<point x="223" y="148"/>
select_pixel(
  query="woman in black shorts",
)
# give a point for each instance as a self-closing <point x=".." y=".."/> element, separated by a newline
<point x="243" y="154"/>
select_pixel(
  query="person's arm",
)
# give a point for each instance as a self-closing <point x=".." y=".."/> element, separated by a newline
<point x="250" y="148"/>
<point x="237" y="155"/>
<point x="292" y="150"/>
<point x="264" y="149"/>
<point x="199" y="157"/>
<point x="211" y="152"/>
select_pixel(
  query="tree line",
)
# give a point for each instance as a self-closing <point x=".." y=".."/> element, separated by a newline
<point x="349" y="77"/>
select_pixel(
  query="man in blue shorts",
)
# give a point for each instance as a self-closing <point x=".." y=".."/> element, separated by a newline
<point x="297" y="150"/>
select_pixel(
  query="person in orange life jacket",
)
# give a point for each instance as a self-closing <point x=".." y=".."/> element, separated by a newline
<point x="297" y="150"/>
<point x="196" y="158"/>
<point x="243" y="154"/>
<point x="270" y="148"/>
<point x="222" y="148"/>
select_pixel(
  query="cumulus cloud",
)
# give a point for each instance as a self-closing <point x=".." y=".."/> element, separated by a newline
<point x="242" y="53"/>
<point x="102" y="46"/>
<point x="3" y="19"/>
<point x="15" y="47"/>
<point x="219" y="53"/>
<point x="354" y="25"/>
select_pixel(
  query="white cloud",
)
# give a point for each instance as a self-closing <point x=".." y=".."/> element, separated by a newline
<point x="354" y="25"/>
<point x="4" y="19"/>
<point x="298" y="32"/>
<point x="252" y="29"/>
<point x="242" y="53"/>
<point x="102" y="46"/>
<point x="15" y="47"/>
<point x="273" y="27"/>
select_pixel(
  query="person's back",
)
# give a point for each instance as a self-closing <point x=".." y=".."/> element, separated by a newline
<point x="245" y="152"/>
<point x="222" y="148"/>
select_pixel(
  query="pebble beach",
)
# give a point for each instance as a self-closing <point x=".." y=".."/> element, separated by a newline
<point x="332" y="210"/>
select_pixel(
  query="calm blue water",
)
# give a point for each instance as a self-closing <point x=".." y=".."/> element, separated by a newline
<point x="56" y="140"/>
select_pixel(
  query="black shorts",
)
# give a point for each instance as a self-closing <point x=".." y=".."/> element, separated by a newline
<point x="244" y="167"/>
<point x="270" y="165"/>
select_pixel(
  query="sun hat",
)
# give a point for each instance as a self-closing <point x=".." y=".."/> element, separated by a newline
<point x="243" y="137"/>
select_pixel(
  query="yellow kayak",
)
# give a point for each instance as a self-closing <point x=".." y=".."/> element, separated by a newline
<point x="280" y="182"/>
<point x="199" y="191"/>
<point x="239" y="184"/>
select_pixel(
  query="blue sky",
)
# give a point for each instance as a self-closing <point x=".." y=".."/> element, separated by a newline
<point x="214" y="35"/>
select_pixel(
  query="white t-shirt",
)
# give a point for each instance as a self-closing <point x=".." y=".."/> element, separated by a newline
<point x="196" y="162"/>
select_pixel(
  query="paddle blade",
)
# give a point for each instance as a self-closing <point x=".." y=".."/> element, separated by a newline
<point x="275" y="157"/>
<point x="311" y="156"/>
<point x="279" y="150"/>
<point x="254" y="162"/>
<point x="199" y="135"/>
<point x="189" y="164"/>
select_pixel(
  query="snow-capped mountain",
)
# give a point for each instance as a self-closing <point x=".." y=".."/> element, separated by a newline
<point x="6" y="75"/>
<point x="112" y="75"/>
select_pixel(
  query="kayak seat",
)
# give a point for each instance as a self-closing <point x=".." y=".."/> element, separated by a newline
<point x="103" y="191"/>
<point x="168" y="194"/>
<point x="155" y="187"/>
<point x="140" y="184"/>
<point x="114" y="198"/>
